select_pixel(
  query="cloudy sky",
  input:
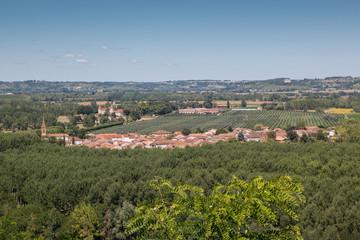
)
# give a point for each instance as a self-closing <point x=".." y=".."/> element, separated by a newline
<point x="159" y="40"/>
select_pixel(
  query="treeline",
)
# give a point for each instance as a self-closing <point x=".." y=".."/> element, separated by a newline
<point x="17" y="140"/>
<point x="353" y="101"/>
<point x="22" y="113"/>
<point x="51" y="181"/>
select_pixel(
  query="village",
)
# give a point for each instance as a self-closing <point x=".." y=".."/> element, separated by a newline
<point x="168" y="140"/>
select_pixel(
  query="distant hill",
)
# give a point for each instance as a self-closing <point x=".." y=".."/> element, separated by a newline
<point x="347" y="83"/>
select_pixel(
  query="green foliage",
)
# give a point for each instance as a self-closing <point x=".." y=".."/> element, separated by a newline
<point x="271" y="135"/>
<point x="301" y="124"/>
<point x="258" y="127"/>
<point x="292" y="136"/>
<point x="309" y="104"/>
<point x="208" y="103"/>
<point x="238" y="210"/>
<point x="16" y="140"/>
<point x="9" y="230"/>
<point x="186" y="131"/>
<point x="329" y="172"/>
<point x="321" y="135"/>
<point x="121" y="218"/>
<point x="304" y="138"/>
<point x="106" y="125"/>
<point x="349" y="132"/>
<point x="221" y="130"/>
<point x="241" y="137"/>
<point x="85" y="221"/>
<point x="198" y="130"/>
<point x="89" y="120"/>
<point x="243" y="103"/>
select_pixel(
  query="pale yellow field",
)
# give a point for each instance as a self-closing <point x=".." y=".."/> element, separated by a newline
<point x="341" y="110"/>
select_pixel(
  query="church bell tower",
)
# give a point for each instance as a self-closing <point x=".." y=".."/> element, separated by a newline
<point x="43" y="129"/>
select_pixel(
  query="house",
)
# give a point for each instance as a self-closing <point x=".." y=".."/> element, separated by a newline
<point x="253" y="137"/>
<point x="164" y="143"/>
<point x="266" y="129"/>
<point x="222" y="106"/>
<point x="188" y="110"/>
<point x="59" y="136"/>
<point x="281" y="136"/>
<point x="313" y="128"/>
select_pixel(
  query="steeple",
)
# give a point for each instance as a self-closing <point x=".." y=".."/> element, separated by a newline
<point x="43" y="129"/>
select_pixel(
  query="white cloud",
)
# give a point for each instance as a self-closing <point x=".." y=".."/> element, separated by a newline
<point x="68" y="56"/>
<point x="82" y="60"/>
<point x="105" y="48"/>
<point x="132" y="60"/>
<point x="170" y="64"/>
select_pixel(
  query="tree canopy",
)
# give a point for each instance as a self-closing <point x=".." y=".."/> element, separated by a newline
<point x="237" y="210"/>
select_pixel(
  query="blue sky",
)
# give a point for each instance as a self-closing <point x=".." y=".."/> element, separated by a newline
<point x="159" y="40"/>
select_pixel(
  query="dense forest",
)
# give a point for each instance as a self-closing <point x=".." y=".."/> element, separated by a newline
<point x="51" y="184"/>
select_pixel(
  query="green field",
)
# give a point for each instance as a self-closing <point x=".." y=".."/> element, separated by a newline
<point x="247" y="119"/>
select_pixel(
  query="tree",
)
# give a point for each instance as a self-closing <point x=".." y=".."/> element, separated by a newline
<point x="186" y="131"/>
<point x="89" y="120"/>
<point x="121" y="218"/>
<point x="221" y="130"/>
<point x="350" y="132"/>
<point x="271" y="135"/>
<point x="85" y="221"/>
<point x="135" y="115"/>
<point x="143" y="108"/>
<point x="241" y="137"/>
<point x="243" y="103"/>
<point x="81" y="133"/>
<point x="258" y="127"/>
<point x="230" y="129"/>
<point x="301" y="125"/>
<point x="238" y="210"/>
<point x="198" y="130"/>
<point x="304" y="138"/>
<point x="292" y="136"/>
<point x="208" y="103"/>
<point x="227" y="104"/>
<point x="321" y="135"/>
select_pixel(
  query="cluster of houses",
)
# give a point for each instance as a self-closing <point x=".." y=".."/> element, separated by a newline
<point x="168" y="140"/>
<point x="159" y="139"/>
<point x="118" y="112"/>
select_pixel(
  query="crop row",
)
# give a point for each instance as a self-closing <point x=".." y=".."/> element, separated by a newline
<point x="245" y="119"/>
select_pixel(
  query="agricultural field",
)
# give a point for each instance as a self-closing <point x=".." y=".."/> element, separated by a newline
<point x="355" y="116"/>
<point x="341" y="110"/>
<point x="245" y="118"/>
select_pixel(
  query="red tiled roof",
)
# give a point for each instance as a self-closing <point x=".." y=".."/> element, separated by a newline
<point x="162" y="132"/>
